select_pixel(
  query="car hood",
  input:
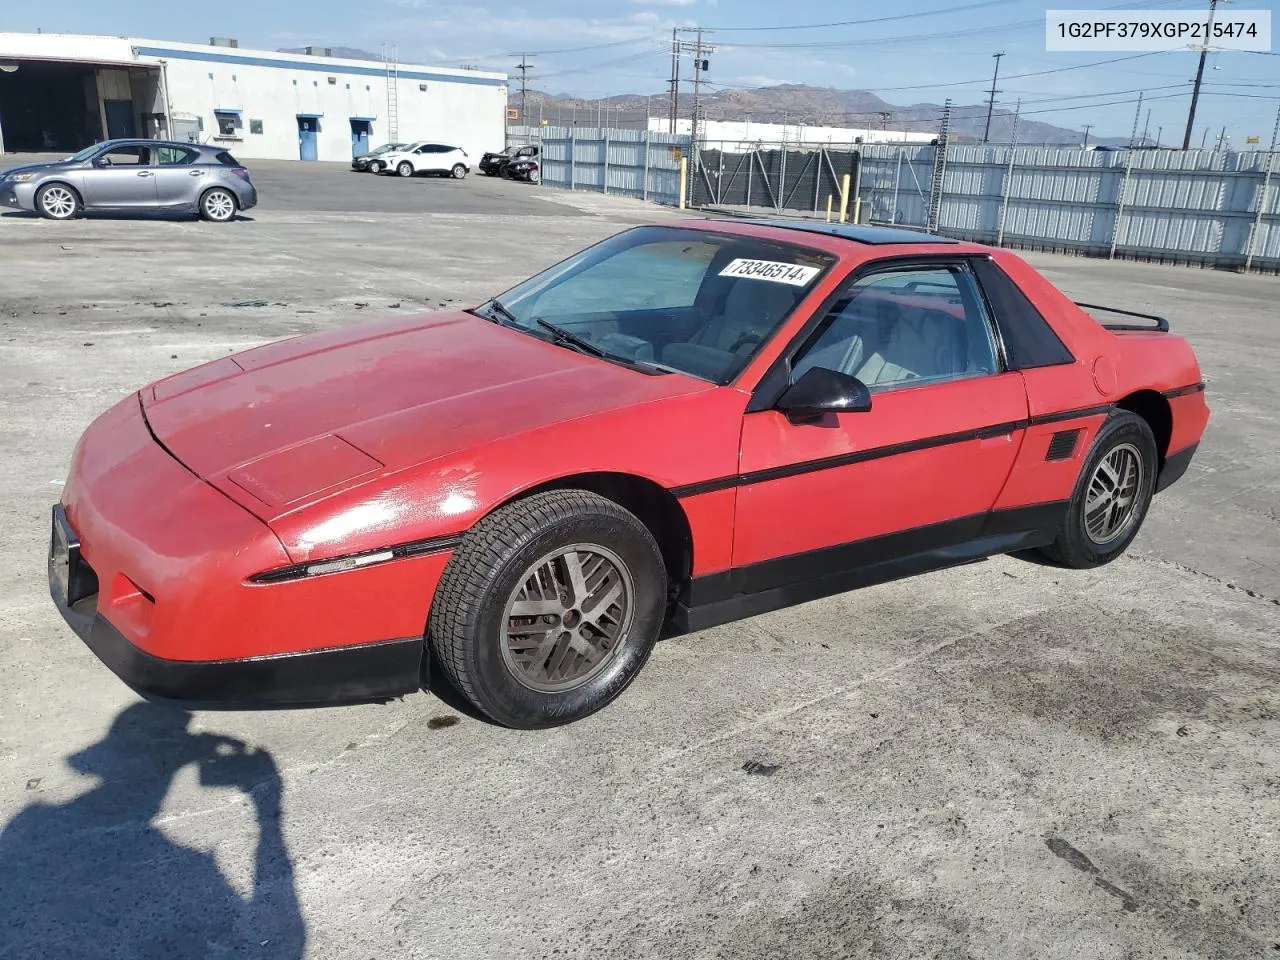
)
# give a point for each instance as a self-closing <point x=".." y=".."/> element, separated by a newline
<point x="36" y="167"/>
<point x="291" y="421"/>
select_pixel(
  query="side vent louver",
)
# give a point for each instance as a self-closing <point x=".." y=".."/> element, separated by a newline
<point x="1063" y="445"/>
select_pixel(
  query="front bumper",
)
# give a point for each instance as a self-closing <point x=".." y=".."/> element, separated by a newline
<point x="353" y="674"/>
<point x="17" y="196"/>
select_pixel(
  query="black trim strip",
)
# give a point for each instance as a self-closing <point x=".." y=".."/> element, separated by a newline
<point x="412" y="548"/>
<point x="877" y="453"/>
<point x="1175" y="465"/>
<point x="785" y="581"/>
<point x="1183" y="391"/>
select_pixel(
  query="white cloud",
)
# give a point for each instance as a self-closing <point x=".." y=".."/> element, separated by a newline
<point x="665" y="3"/>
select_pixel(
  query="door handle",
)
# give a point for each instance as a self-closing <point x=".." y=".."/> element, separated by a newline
<point x="144" y="173"/>
<point x="195" y="173"/>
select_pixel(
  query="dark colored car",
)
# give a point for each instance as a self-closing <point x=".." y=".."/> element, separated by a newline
<point x="371" y="162"/>
<point x="526" y="169"/>
<point x="125" y="175"/>
<point x="495" y="164"/>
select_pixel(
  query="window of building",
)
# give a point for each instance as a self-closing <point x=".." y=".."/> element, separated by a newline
<point x="897" y="328"/>
<point x="228" y="123"/>
<point x="255" y="126"/>
<point x="333" y="81"/>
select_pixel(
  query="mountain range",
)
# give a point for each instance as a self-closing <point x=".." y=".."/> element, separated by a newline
<point x="788" y="103"/>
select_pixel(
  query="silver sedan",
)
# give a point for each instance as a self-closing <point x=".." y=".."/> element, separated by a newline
<point x="133" y="175"/>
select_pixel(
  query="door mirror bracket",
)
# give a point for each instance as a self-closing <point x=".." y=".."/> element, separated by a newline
<point x="820" y="391"/>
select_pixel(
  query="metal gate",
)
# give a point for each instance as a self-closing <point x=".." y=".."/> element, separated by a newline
<point x="771" y="175"/>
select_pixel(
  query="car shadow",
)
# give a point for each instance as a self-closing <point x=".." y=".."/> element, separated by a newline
<point x="96" y="876"/>
<point x="152" y="217"/>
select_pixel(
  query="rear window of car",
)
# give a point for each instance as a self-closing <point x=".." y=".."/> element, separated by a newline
<point x="226" y="159"/>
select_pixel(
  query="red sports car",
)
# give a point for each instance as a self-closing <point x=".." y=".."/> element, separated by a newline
<point x="680" y="426"/>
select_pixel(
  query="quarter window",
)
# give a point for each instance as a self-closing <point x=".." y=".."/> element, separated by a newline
<point x="897" y="328"/>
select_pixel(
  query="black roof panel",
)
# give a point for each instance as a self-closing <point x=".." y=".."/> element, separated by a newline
<point x="856" y="232"/>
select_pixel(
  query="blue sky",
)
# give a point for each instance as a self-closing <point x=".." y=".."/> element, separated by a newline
<point x="592" y="48"/>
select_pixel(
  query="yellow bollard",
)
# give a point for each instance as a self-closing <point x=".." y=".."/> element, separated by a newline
<point x="828" y="208"/>
<point x="844" y="198"/>
<point x="684" y="179"/>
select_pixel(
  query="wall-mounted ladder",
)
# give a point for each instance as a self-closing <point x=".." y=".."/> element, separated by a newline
<point x="939" y="170"/>
<point x="393" y="92"/>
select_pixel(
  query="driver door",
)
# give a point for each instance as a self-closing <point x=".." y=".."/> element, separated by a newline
<point x="121" y="177"/>
<point x="918" y="471"/>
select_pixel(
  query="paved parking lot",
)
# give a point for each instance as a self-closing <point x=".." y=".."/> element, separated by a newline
<point x="1003" y="760"/>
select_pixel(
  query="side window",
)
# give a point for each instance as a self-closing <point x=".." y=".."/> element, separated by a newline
<point x="647" y="276"/>
<point x="425" y="148"/>
<point x="906" y="327"/>
<point x="125" y="157"/>
<point x="175" y="156"/>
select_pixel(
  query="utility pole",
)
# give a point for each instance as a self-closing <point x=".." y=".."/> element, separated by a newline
<point x="1204" y="138"/>
<point x="674" y="105"/>
<point x="884" y="119"/>
<point x="1195" y="90"/>
<point x="523" y="66"/>
<point x="1221" y="139"/>
<point x="991" y="101"/>
<point x="697" y="81"/>
<point x="1087" y="128"/>
<point x="1159" y="133"/>
<point x="1137" y="115"/>
<point x="1146" y="126"/>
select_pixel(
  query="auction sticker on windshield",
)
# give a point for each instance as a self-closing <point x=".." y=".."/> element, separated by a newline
<point x="795" y="274"/>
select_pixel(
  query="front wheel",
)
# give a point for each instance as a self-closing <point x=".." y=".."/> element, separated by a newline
<point x="458" y="171"/>
<point x="405" y="169"/>
<point x="58" y="202"/>
<point x="549" y="608"/>
<point x="218" y="205"/>
<point x="375" y="166"/>
<point x="1112" y="494"/>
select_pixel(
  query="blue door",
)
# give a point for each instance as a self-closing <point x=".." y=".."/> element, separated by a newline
<point x="307" y="127"/>
<point x="119" y="119"/>
<point x="360" y="131"/>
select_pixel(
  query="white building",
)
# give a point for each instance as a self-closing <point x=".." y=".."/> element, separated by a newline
<point x="739" y="135"/>
<point x="63" y="92"/>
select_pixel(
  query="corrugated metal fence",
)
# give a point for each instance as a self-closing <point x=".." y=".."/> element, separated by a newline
<point x="1198" y="206"/>
<point x="629" y="163"/>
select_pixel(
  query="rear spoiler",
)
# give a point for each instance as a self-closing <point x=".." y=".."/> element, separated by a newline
<point x="1162" y="325"/>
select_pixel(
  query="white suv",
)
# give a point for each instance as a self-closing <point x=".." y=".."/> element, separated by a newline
<point x="425" y="157"/>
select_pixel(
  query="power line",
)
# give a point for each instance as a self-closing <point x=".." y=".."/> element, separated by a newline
<point x="860" y="23"/>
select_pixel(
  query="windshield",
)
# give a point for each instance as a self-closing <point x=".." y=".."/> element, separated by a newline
<point x="685" y="300"/>
<point x="84" y="154"/>
<point x="388" y="147"/>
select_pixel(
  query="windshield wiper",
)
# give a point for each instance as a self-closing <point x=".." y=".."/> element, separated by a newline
<point x="569" y="338"/>
<point x="500" y="308"/>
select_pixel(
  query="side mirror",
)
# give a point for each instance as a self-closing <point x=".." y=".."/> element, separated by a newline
<point x="820" y="391"/>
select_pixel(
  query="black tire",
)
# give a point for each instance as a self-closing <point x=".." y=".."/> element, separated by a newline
<point x="459" y="171"/>
<point x="1075" y="546"/>
<point x="375" y="166"/>
<point x="404" y="168"/>
<point x="57" y="201"/>
<point x="466" y="623"/>
<point x="218" y="205"/>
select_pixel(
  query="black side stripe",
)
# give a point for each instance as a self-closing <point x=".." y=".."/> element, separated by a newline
<point x="410" y="548"/>
<point x="878" y="453"/>
<point x="1183" y="391"/>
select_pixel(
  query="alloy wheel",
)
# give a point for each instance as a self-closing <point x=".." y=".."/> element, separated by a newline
<point x="219" y="205"/>
<point x="1111" y="501"/>
<point x="568" y="618"/>
<point x="58" y="202"/>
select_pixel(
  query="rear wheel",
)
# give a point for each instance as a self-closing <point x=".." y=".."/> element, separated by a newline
<point x="549" y="608"/>
<point x="58" y="202"/>
<point x="405" y="168"/>
<point x="535" y="176"/>
<point x="218" y="205"/>
<point x="1111" y="496"/>
<point x="459" y="171"/>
